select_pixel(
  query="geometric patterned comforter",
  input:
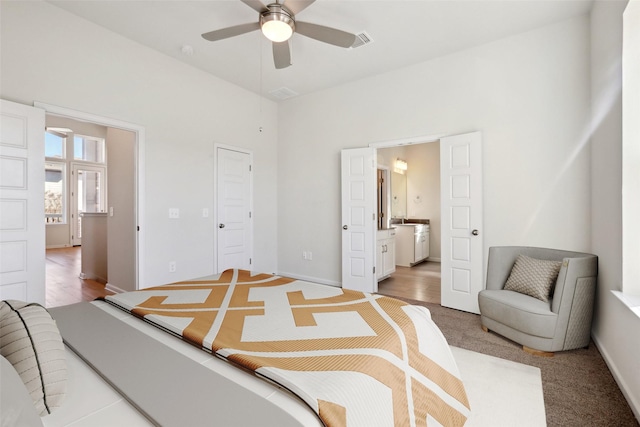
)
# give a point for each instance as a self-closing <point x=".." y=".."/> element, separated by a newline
<point x="356" y="359"/>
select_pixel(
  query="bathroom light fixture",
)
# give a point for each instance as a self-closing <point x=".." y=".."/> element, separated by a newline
<point x="401" y="165"/>
<point x="276" y="24"/>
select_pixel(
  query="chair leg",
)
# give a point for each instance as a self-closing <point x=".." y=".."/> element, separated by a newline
<point x="484" y="328"/>
<point x="535" y="352"/>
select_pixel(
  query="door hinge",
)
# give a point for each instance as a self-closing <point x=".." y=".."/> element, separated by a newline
<point x="138" y="228"/>
<point x="374" y="269"/>
<point x="249" y="261"/>
<point x="249" y="168"/>
<point x="249" y="214"/>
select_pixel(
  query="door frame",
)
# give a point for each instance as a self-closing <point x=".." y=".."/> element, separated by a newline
<point x="139" y="175"/>
<point x="216" y="147"/>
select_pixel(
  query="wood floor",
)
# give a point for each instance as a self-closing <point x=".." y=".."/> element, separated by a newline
<point x="420" y="282"/>
<point x="63" y="285"/>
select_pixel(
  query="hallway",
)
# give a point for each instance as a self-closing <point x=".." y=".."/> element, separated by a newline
<point x="63" y="284"/>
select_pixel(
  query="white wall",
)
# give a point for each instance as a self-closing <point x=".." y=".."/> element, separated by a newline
<point x="528" y="94"/>
<point x="616" y="329"/>
<point x="184" y="112"/>
<point x="121" y="233"/>
<point x="423" y="190"/>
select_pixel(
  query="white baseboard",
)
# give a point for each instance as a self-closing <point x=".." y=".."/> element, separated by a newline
<point x="310" y="279"/>
<point x="57" y="246"/>
<point x="98" y="279"/>
<point x="113" y="288"/>
<point x="620" y="380"/>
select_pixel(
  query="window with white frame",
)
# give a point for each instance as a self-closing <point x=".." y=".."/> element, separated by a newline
<point x="55" y="194"/>
<point x="88" y="149"/>
<point x="54" y="144"/>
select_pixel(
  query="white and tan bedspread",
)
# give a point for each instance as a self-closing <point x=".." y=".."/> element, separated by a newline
<point x="356" y="359"/>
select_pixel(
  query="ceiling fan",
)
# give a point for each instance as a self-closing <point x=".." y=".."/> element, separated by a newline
<point x="277" y="22"/>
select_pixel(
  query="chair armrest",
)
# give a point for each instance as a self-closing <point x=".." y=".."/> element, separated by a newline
<point x="571" y="275"/>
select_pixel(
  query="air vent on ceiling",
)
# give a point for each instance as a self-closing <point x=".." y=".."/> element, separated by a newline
<point x="362" y="39"/>
<point x="283" y="93"/>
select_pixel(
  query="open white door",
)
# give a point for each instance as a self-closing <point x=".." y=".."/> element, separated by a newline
<point x="461" y="210"/>
<point x="22" y="220"/>
<point x="359" y="219"/>
<point x="233" y="209"/>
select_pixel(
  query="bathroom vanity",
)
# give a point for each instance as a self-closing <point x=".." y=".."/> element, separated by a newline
<point x="385" y="253"/>
<point x="412" y="243"/>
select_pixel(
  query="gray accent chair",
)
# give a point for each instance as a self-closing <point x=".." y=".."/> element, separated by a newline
<point x="562" y="323"/>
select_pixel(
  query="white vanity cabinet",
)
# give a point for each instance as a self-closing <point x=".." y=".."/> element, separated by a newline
<point x="412" y="244"/>
<point x="385" y="253"/>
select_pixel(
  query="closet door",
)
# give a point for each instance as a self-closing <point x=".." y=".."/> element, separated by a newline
<point x="22" y="221"/>
<point x="233" y="210"/>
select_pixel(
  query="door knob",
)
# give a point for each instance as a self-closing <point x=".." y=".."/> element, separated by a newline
<point x="345" y="227"/>
<point x="475" y="232"/>
<point x="221" y="226"/>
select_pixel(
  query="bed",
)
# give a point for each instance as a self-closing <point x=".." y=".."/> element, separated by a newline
<point x="246" y="349"/>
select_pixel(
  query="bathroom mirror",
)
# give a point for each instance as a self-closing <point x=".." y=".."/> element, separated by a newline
<point x="398" y="195"/>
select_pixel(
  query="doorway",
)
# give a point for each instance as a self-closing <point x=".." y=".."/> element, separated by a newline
<point x="414" y="196"/>
<point x="125" y="205"/>
<point x="462" y="257"/>
<point x="88" y="195"/>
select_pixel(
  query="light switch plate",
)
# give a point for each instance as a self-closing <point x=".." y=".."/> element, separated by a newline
<point x="174" y="213"/>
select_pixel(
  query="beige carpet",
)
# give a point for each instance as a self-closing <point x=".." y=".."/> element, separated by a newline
<point x="579" y="390"/>
<point x="501" y="392"/>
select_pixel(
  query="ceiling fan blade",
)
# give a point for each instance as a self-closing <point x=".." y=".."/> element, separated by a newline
<point x="225" y="33"/>
<point x="325" y="34"/>
<point x="297" y="6"/>
<point x="281" y="54"/>
<point x="256" y="5"/>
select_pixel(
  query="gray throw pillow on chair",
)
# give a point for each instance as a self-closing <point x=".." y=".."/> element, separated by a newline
<point x="533" y="277"/>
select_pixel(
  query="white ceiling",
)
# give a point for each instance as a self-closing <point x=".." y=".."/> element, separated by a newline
<point x="403" y="32"/>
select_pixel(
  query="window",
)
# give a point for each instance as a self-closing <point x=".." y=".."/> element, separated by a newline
<point x="54" y="143"/>
<point x="88" y="148"/>
<point x="55" y="193"/>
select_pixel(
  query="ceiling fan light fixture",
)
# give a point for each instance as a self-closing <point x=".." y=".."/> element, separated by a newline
<point x="277" y="25"/>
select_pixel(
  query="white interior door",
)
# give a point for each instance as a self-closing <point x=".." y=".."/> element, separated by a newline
<point x="22" y="220"/>
<point x="359" y="219"/>
<point x="88" y="195"/>
<point x="233" y="209"/>
<point x="461" y="198"/>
